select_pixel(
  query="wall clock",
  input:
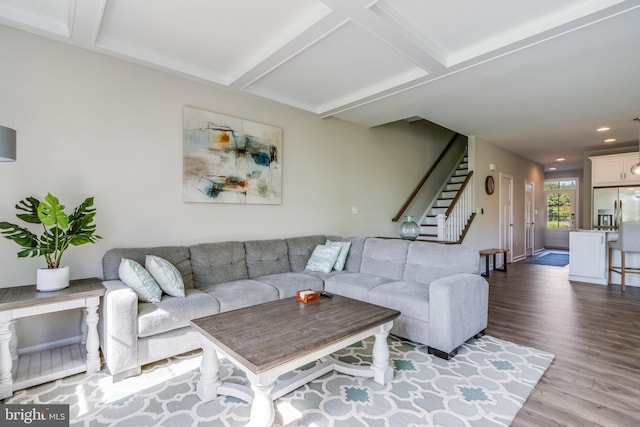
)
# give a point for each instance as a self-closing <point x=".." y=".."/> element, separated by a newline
<point x="489" y="184"/>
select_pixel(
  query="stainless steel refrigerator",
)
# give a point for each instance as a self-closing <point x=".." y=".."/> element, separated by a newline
<point x="612" y="205"/>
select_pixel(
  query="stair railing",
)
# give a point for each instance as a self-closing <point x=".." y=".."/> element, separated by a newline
<point x="424" y="179"/>
<point x="452" y="224"/>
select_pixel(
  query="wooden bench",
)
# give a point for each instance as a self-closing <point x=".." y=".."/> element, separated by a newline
<point x="486" y="253"/>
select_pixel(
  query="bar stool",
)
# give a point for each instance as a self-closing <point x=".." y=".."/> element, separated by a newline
<point x="628" y="241"/>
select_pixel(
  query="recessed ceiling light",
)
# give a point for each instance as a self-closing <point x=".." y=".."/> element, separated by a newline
<point x="610" y="140"/>
<point x="552" y="168"/>
<point x="602" y="129"/>
<point x="560" y="159"/>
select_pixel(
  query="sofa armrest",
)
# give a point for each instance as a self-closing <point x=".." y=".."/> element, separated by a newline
<point x="119" y="328"/>
<point x="458" y="310"/>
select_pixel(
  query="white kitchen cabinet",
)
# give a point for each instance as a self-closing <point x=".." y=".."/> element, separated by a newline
<point x="614" y="169"/>
<point x="588" y="256"/>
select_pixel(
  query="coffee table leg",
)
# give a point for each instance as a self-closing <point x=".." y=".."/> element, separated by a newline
<point x="262" y="410"/>
<point x="382" y="371"/>
<point x="207" y="388"/>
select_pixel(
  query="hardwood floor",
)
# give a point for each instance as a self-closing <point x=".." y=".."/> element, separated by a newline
<point x="593" y="330"/>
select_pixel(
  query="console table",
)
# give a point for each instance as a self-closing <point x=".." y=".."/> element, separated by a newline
<point x="486" y="253"/>
<point x="26" y="370"/>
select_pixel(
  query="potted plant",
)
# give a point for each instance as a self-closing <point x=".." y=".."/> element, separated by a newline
<point x="60" y="231"/>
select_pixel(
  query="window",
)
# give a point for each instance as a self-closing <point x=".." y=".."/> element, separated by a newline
<point x="560" y="197"/>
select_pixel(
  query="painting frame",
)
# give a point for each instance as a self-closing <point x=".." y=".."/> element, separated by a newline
<point x="228" y="159"/>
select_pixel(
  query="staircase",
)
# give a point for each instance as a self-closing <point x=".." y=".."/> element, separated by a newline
<point x="446" y="194"/>
<point x="429" y="226"/>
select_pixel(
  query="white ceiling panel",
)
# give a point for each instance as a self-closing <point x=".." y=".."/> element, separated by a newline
<point x="346" y="65"/>
<point x="458" y="24"/>
<point x="535" y="76"/>
<point x="466" y="29"/>
<point x="221" y="36"/>
<point x="52" y="16"/>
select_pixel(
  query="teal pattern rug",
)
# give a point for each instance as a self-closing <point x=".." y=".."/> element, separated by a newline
<point x="485" y="385"/>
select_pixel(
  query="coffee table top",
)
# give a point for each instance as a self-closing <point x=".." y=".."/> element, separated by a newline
<point x="266" y="335"/>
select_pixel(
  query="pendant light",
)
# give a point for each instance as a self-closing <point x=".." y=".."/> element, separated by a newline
<point x="7" y="144"/>
<point x="635" y="169"/>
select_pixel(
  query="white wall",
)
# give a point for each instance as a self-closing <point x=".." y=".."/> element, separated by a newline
<point x="92" y="125"/>
<point x="89" y="124"/>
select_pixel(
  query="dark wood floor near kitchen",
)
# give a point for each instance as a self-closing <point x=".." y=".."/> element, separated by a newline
<point x="593" y="330"/>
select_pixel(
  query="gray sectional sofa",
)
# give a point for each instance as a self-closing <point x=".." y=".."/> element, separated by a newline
<point x="437" y="288"/>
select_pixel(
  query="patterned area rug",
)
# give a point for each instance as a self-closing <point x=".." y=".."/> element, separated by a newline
<point x="552" y="258"/>
<point x="484" y="385"/>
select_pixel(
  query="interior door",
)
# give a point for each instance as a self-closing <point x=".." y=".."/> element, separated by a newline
<point x="529" y="218"/>
<point x="506" y="214"/>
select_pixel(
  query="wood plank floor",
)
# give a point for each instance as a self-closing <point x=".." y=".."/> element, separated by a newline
<point x="593" y="330"/>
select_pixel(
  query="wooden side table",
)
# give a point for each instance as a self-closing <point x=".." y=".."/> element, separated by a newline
<point x="486" y="253"/>
<point x="40" y="367"/>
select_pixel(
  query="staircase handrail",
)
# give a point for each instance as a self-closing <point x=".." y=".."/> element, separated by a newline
<point x="425" y="178"/>
<point x="454" y="223"/>
<point x="458" y="194"/>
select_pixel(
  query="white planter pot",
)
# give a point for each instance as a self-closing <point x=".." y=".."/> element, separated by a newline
<point x="52" y="279"/>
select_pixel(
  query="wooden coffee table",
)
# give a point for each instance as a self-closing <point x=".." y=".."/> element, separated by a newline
<point x="271" y="339"/>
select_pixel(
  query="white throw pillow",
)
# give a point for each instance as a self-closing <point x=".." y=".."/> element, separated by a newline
<point x="323" y="258"/>
<point x="166" y="274"/>
<point x="137" y="278"/>
<point x="342" y="256"/>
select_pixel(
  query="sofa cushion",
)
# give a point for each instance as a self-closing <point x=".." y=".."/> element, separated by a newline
<point x="354" y="285"/>
<point x="176" y="255"/>
<point x="323" y="258"/>
<point x="429" y="261"/>
<point x="174" y="313"/>
<point x="288" y="283"/>
<point x="241" y="293"/>
<point x="342" y="255"/>
<point x="217" y="263"/>
<point x="140" y="280"/>
<point x="266" y="257"/>
<point x="167" y="276"/>
<point x="300" y="249"/>
<point x="354" y="256"/>
<point x="320" y="275"/>
<point x="410" y="298"/>
<point x="384" y="257"/>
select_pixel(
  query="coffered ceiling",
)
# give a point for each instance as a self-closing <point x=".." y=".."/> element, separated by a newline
<point x="535" y="76"/>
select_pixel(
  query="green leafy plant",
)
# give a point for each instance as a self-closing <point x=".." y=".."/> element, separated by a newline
<point x="60" y="229"/>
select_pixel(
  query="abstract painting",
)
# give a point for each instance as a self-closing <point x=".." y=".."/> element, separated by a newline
<point x="230" y="160"/>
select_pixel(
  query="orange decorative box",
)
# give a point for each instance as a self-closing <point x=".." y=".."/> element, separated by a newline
<point x="307" y="295"/>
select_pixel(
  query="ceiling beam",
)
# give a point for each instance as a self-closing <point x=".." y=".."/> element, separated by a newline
<point x="85" y="21"/>
<point x="271" y="59"/>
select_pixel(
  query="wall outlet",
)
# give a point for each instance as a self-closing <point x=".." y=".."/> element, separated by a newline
<point x="355" y="210"/>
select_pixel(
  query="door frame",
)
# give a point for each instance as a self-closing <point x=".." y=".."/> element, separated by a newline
<point x="505" y="194"/>
<point x="529" y="218"/>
